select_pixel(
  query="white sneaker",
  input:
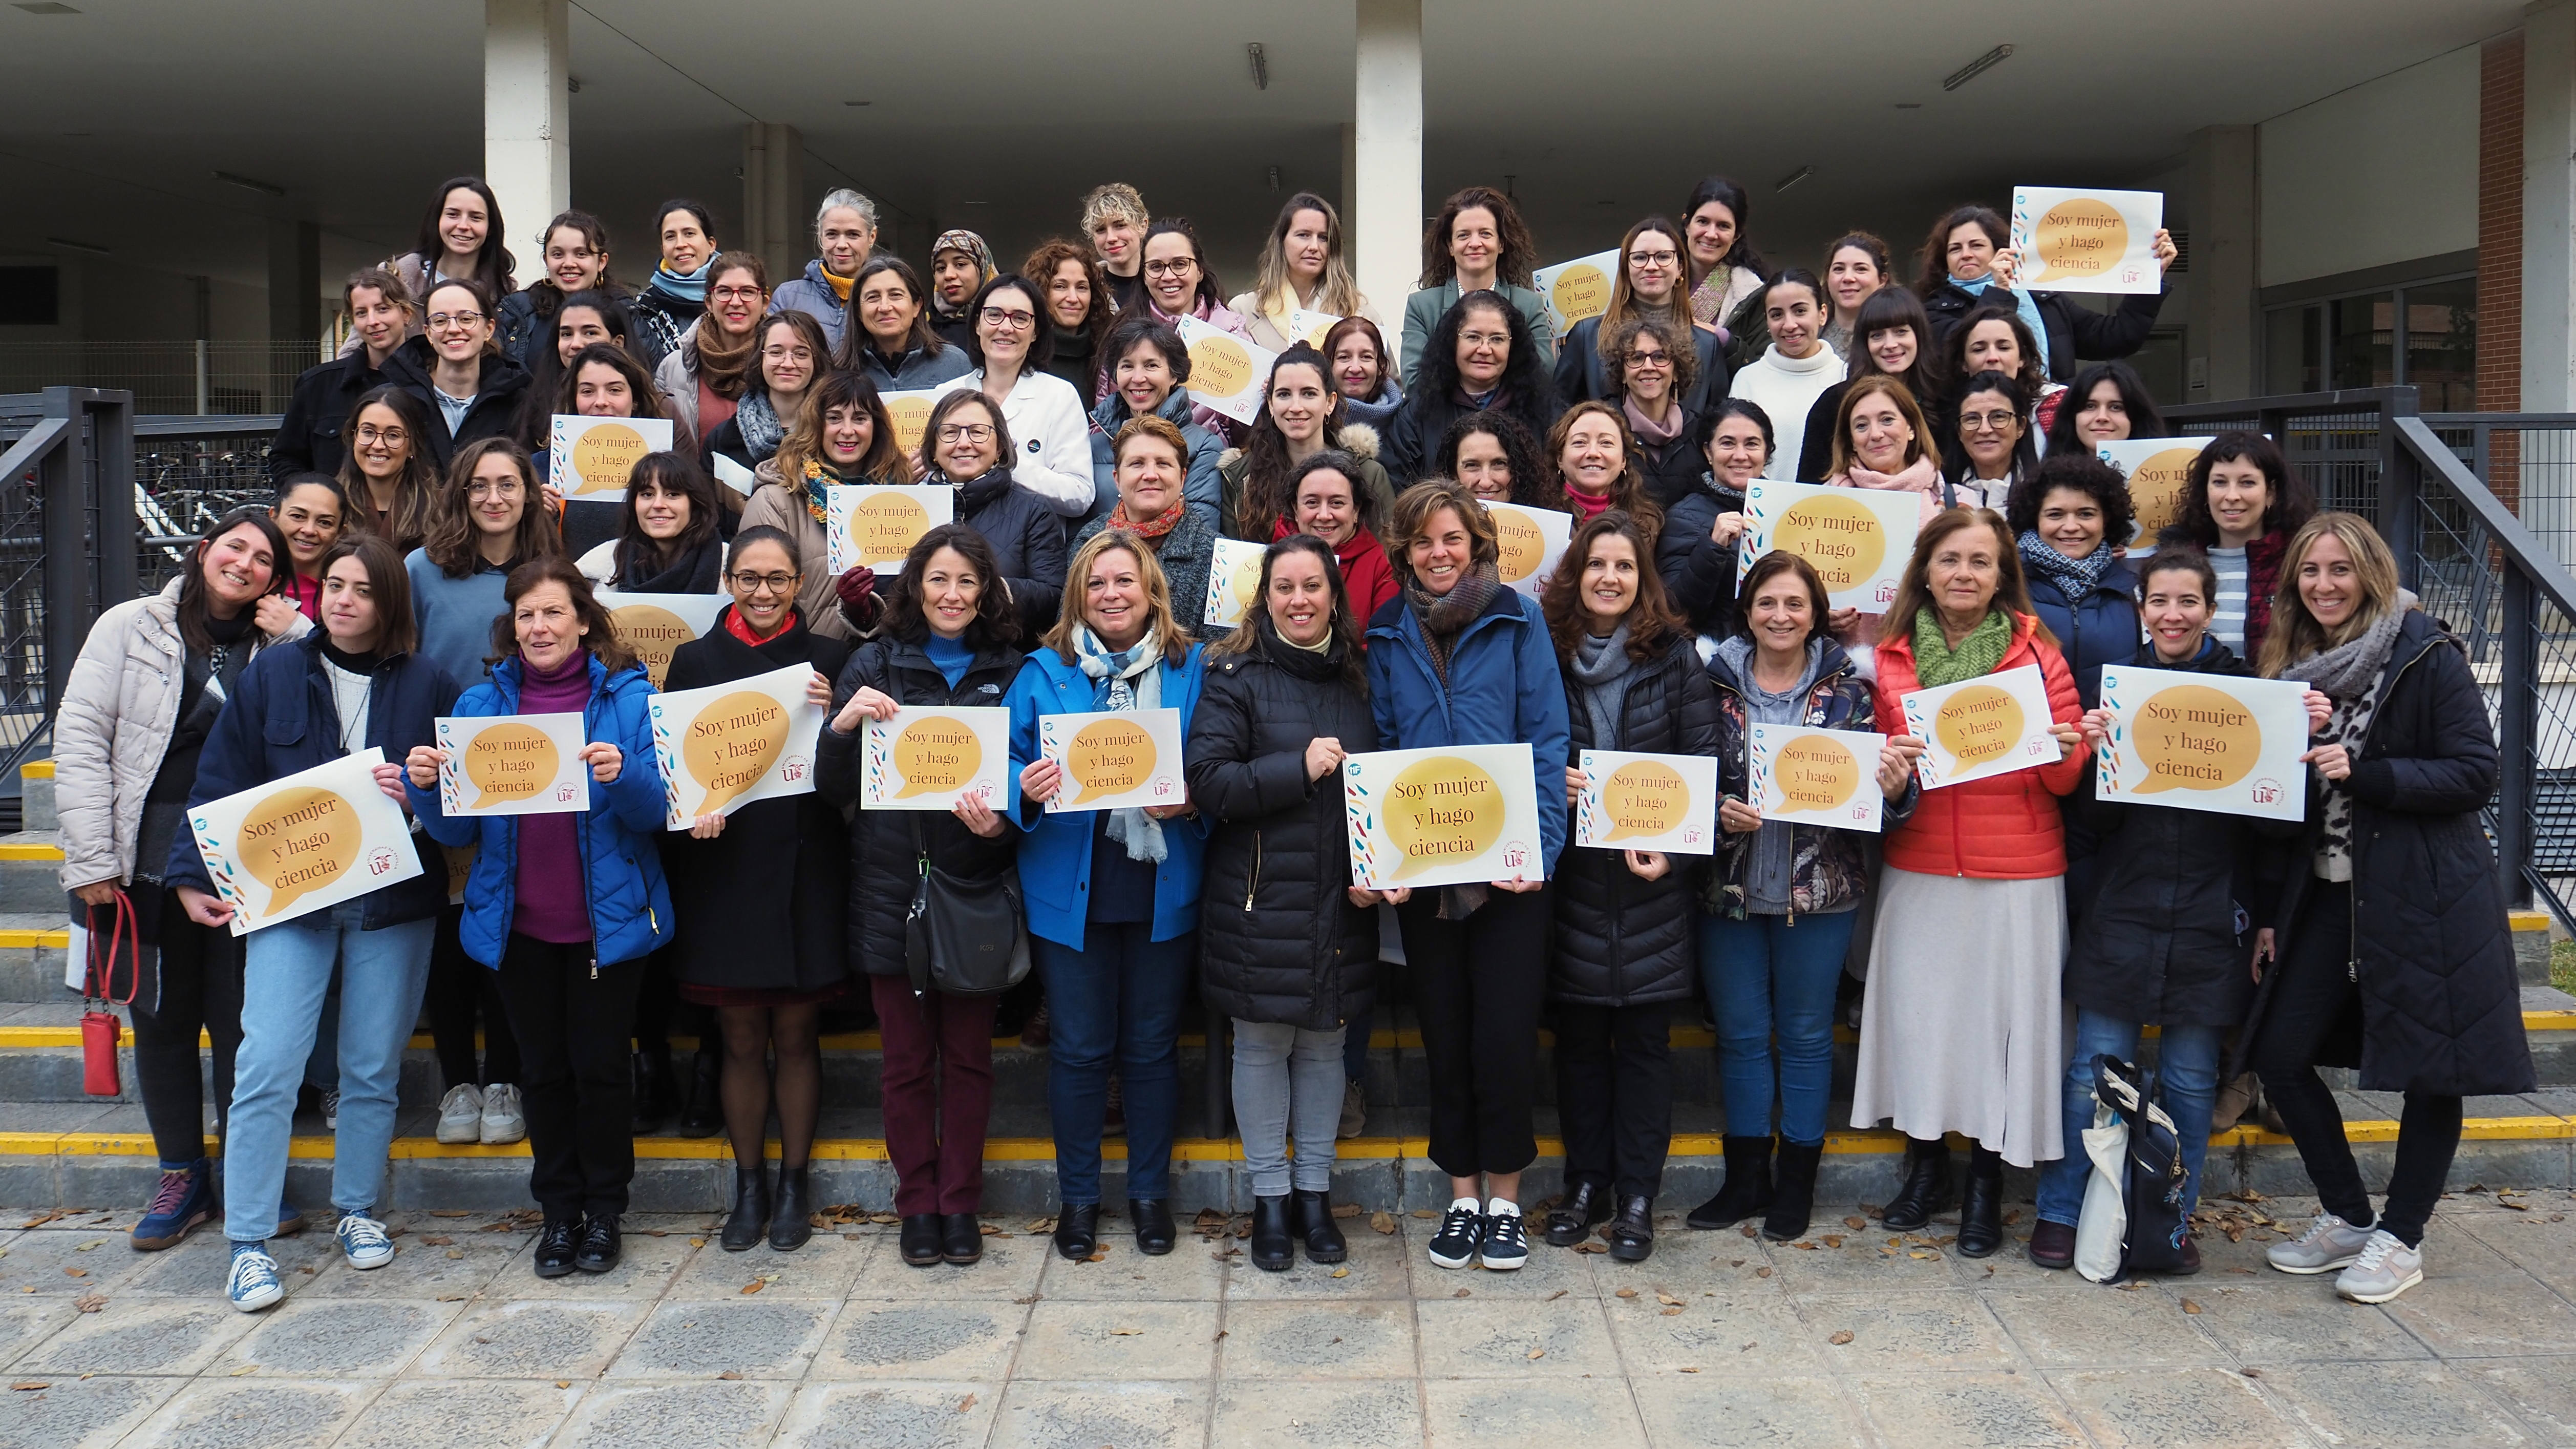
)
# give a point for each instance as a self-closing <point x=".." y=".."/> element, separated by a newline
<point x="505" y="1120"/>
<point x="2328" y="1244"/>
<point x="460" y="1114"/>
<point x="331" y="1109"/>
<point x="365" y="1241"/>
<point x="2386" y="1268"/>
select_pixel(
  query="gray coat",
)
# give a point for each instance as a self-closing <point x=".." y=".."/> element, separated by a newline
<point x="1186" y="553"/>
<point x="814" y="297"/>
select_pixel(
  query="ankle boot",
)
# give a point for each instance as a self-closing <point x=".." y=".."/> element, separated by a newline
<point x="750" y="1215"/>
<point x="1077" y="1230"/>
<point x="1310" y="1217"/>
<point x="1747" y="1189"/>
<point x="1926" y="1189"/>
<point x="1981" y="1207"/>
<point x="656" y="1098"/>
<point x="789" y="1226"/>
<point x="1793" y="1201"/>
<point x="1273" y="1249"/>
<point x="1585" y="1206"/>
<point x="1632" y="1230"/>
<point x="702" y="1113"/>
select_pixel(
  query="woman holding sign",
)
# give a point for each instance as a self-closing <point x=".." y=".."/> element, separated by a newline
<point x="1633" y="683"/>
<point x="971" y="451"/>
<point x="1482" y="357"/>
<point x="668" y="543"/>
<point x="841" y="435"/>
<point x="1461" y="660"/>
<point x="950" y="641"/>
<point x="1113" y="894"/>
<point x="1148" y="363"/>
<point x="1955" y="1041"/>
<point x="1301" y="415"/>
<point x="2391" y="914"/>
<point x="354" y="685"/>
<point x="564" y="906"/>
<point x="1478" y="243"/>
<point x="761" y="897"/>
<point x="601" y="381"/>
<point x="2241" y="505"/>
<point x="1695" y="553"/>
<point x="1151" y="455"/>
<point x="1289" y="944"/>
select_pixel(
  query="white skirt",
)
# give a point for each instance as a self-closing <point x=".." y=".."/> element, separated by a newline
<point x="1962" y="1029"/>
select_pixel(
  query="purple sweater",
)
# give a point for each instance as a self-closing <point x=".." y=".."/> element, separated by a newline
<point x="551" y="903"/>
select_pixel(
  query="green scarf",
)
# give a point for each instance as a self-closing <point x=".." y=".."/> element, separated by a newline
<point x="1937" y="664"/>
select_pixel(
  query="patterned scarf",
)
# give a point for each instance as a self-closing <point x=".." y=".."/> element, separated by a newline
<point x="2074" y="577"/>
<point x="819" y="478"/>
<point x="1125" y="680"/>
<point x="1937" y="664"/>
<point x="761" y="428"/>
<point x="1152" y="530"/>
<point x="2351" y="674"/>
<point x="1708" y="299"/>
<point x="1444" y="616"/>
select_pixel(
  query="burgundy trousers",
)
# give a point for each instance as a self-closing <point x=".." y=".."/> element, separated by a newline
<point x="938" y="1094"/>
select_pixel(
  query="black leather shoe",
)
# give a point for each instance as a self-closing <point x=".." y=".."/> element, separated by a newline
<point x="1571" y="1221"/>
<point x="1925" y="1190"/>
<point x="1077" y="1230"/>
<point x="1273" y="1249"/>
<point x="1310" y="1217"/>
<point x="1747" y="1189"/>
<point x="789" y="1223"/>
<point x="1155" y="1232"/>
<point x="1981" y="1206"/>
<point x="596" y="1252"/>
<point x="555" y="1245"/>
<point x="919" y="1239"/>
<point x="702" y="1113"/>
<point x="961" y="1238"/>
<point x="750" y="1216"/>
<point x="1632" y="1230"/>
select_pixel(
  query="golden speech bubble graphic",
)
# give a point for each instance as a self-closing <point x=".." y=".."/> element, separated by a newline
<point x="1839" y="536"/>
<point x="732" y="743"/>
<point x="936" y="756"/>
<point x="1814" y="772"/>
<point x="886" y="524"/>
<point x="1246" y="581"/>
<point x="1522" y="545"/>
<point x="1642" y="798"/>
<point x="2081" y="236"/>
<point x="1442" y="809"/>
<point x="2156" y="488"/>
<point x="1581" y="291"/>
<point x="1108" y="757"/>
<point x="1220" y="367"/>
<point x="606" y="457"/>
<point x="910" y="416"/>
<point x="654" y="633"/>
<point x="297" y="841"/>
<point x="2194" y="737"/>
<point x="1978" y="724"/>
<point x="509" y="762"/>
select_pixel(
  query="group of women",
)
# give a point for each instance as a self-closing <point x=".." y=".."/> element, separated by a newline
<point x="435" y="569"/>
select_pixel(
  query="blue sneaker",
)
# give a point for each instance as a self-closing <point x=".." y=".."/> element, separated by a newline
<point x="365" y="1241"/>
<point x="253" y="1284"/>
<point x="185" y="1199"/>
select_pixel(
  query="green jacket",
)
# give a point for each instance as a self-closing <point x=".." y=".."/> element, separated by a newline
<point x="1423" y="311"/>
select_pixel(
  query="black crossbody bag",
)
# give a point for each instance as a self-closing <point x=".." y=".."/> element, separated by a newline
<point x="966" y="936"/>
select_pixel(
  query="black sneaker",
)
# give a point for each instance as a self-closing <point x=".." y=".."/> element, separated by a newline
<point x="1461" y="1229"/>
<point x="1506" y="1244"/>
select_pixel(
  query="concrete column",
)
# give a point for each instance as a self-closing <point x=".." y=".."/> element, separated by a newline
<point x="527" y="119"/>
<point x="1386" y="154"/>
<point x="2221" y="201"/>
<point x="774" y="223"/>
<point x="2549" y="208"/>
<point x="294" y="282"/>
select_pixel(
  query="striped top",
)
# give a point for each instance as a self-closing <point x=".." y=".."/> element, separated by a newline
<point x="2227" y="617"/>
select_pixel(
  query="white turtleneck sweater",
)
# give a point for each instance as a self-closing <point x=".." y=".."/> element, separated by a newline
<point x="1787" y="389"/>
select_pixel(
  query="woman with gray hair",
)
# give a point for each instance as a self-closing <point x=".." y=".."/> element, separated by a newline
<point x="845" y="233"/>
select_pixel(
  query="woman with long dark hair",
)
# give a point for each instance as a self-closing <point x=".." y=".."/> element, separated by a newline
<point x="2107" y="403"/>
<point x="716" y="363"/>
<point x="2242" y="502"/>
<point x="1966" y="262"/>
<point x="585" y="319"/>
<point x="842" y="435"/>
<point x="1363" y="371"/>
<point x="1478" y="243"/>
<point x="456" y="367"/>
<point x="390" y="476"/>
<point x="1987" y="457"/>
<point x="675" y="296"/>
<point x="1889" y="337"/>
<point x="1696" y="550"/>
<point x="889" y="336"/>
<point x="1726" y="273"/>
<point x="668" y="543"/>
<point x="1482" y="357"/>
<point x="1650" y="288"/>
<point x="575" y="247"/>
<point x="1794" y="371"/>
<point x="1494" y="455"/>
<point x="1856" y="269"/>
<point x="1009" y="346"/>
<point x="459" y="240"/>
<point x="1079" y="312"/>
<point x="1302" y="414"/>
<point x="788" y="353"/>
<point x="601" y="381"/>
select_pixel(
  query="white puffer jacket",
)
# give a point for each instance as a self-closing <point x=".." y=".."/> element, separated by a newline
<point x="118" y="712"/>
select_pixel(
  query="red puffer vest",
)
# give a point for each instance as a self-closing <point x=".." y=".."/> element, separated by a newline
<point x="2003" y="827"/>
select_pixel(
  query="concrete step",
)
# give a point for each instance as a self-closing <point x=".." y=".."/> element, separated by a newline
<point x="36" y="796"/>
<point x="31" y="864"/>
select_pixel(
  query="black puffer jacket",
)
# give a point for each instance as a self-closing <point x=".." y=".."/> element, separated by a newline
<point x="308" y="435"/>
<point x="499" y="391"/>
<point x="1698" y="571"/>
<point x="2441" y="1006"/>
<point x="1672" y="469"/>
<point x="1279" y="940"/>
<point x="1027" y="536"/>
<point x="1621" y="941"/>
<point x="2076" y="333"/>
<point x="2159" y="940"/>
<point x="883" y="864"/>
<point x="1581" y="374"/>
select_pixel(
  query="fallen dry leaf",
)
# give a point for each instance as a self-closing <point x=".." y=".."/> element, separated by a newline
<point x="451" y="1297"/>
<point x="90" y="1302"/>
<point x="1552" y="1297"/>
<point x="1042" y="1225"/>
<point x="1735" y="1262"/>
<point x="449" y="1213"/>
<point x="563" y="1383"/>
<point x="1840" y="1335"/>
<point x="1349" y="1210"/>
<point x="1833" y="1240"/>
<point x="75" y="1272"/>
<point x="29" y="1386"/>
<point x="2190" y="1307"/>
<point x="2251" y="1373"/>
<point x="1855" y="1224"/>
<point x="1424" y="1213"/>
<point x="1098" y="1255"/>
<point x="92" y="1243"/>
<point x="1802" y="1245"/>
<point x="1382" y="1222"/>
<point x="1686" y="1368"/>
<point x="965" y="1403"/>
<point x="1538" y="1353"/>
<point x="436" y="1240"/>
<point x="1668" y="1300"/>
<point x="730" y="1374"/>
<point x="1341" y="1272"/>
<point x="1667" y="1312"/>
<point x="697" y="1242"/>
<point x="456" y="1252"/>
<point x="1627" y="1292"/>
<point x="1761" y="1272"/>
<point x="989" y="1231"/>
<point x="1461" y="1293"/>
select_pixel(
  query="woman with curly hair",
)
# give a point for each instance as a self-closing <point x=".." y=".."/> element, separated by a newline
<point x="1478" y="243"/>
<point x="1483" y="357"/>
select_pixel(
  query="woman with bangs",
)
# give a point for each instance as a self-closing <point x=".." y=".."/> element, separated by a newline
<point x="2107" y="403"/>
<point x="1856" y="269"/>
<point x="1882" y="442"/>
<point x="668" y="543"/>
<point x="576" y="261"/>
<point x="1478" y="243"/>
<point x="842" y="435"/>
<point x="1895" y="341"/>
<point x="1993" y="338"/>
<point x="1304" y="266"/>
<point x="1363" y="371"/>
<point x="1652" y="264"/>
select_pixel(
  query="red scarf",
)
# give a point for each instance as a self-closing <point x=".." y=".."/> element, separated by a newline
<point x="740" y="627"/>
<point x="1586" y="506"/>
<point x="1170" y="519"/>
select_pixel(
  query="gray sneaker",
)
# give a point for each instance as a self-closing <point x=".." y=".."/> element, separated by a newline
<point x="2385" y="1269"/>
<point x="2328" y="1244"/>
<point x="460" y="1114"/>
<point x="504" y="1119"/>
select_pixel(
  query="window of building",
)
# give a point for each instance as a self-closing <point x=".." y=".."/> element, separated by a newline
<point x="2421" y="334"/>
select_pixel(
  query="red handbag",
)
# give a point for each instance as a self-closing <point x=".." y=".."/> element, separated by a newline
<point x="102" y="1030"/>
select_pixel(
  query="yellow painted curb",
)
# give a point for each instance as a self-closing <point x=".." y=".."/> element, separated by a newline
<point x="36" y="940"/>
<point x="23" y="851"/>
<point x="2529" y="920"/>
<point x="36" y="770"/>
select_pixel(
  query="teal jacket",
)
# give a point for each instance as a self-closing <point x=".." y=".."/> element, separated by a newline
<point x="1423" y="311"/>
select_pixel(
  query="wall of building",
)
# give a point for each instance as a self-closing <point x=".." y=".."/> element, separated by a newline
<point x="2381" y="173"/>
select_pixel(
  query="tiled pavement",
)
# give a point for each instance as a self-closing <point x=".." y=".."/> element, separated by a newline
<point x="1718" y="1340"/>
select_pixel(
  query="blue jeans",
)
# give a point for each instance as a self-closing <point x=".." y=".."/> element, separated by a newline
<point x="1772" y="977"/>
<point x="2186" y="1086"/>
<point x="286" y="973"/>
<point x="1117" y="1001"/>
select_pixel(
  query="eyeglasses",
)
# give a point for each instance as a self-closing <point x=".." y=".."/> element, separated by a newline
<point x="484" y="488"/>
<point x="389" y="437"/>
<point x="734" y="294"/>
<point x="1014" y="320"/>
<point x="773" y="583"/>
<point x="785" y="354"/>
<point x="1993" y="422"/>
<point x="965" y="432"/>
<point x="1485" y="339"/>
<point x="1175" y="268"/>
<point x="1648" y="359"/>
<point x="1653" y="259"/>
<point x="455" y="319"/>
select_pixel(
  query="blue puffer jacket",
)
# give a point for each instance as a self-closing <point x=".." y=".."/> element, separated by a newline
<point x="1503" y="688"/>
<point x="1200" y="489"/>
<point x="814" y="297"/>
<point x="281" y="720"/>
<point x="1055" y="859"/>
<point x="621" y="860"/>
<point x="2100" y="628"/>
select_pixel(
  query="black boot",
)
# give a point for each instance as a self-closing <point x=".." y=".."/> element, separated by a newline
<point x="1273" y="1249"/>
<point x="1077" y="1230"/>
<point x="702" y="1114"/>
<point x="1632" y="1230"/>
<point x="1584" y="1205"/>
<point x="1155" y="1231"/>
<point x="750" y="1215"/>
<point x="1925" y="1190"/>
<point x="596" y="1250"/>
<point x="655" y="1096"/>
<point x="918" y="1240"/>
<point x="1981" y="1207"/>
<point x="555" y="1245"/>
<point x="789" y="1225"/>
<point x="1793" y="1200"/>
<point x="1310" y="1217"/>
<point x="961" y="1238"/>
<point x="1747" y="1189"/>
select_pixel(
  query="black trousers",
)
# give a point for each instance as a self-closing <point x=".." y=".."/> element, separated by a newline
<point x="460" y="990"/>
<point x="201" y="989"/>
<point x="2315" y="990"/>
<point x="1477" y="986"/>
<point x="573" y="1021"/>
<point x="1614" y="1094"/>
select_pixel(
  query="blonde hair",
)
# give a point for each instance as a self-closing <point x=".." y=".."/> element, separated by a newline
<point x="2295" y="633"/>
<point x="1115" y="198"/>
<point x="1159" y="618"/>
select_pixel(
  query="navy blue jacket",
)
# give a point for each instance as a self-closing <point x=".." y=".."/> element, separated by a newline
<point x="2100" y="628"/>
<point x="1503" y="688"/>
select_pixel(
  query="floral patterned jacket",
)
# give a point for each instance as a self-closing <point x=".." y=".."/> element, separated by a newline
<point x="1827" y="869"/>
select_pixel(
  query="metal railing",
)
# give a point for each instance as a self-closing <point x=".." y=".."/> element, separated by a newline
<point x="199" y="378"/>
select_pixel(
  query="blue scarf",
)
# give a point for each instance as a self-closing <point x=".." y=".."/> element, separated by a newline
<point x="2023" y="306"/>
<point x="1125" y="680"/>
<point x="687" y="286"/>
<point x="2074" y="577"/>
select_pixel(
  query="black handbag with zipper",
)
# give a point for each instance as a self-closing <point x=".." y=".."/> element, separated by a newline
<point x="964" y="935"/>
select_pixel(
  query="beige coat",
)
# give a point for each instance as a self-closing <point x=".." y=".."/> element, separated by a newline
<point x="781" y="507"/>
<point x="119" y="709"/>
